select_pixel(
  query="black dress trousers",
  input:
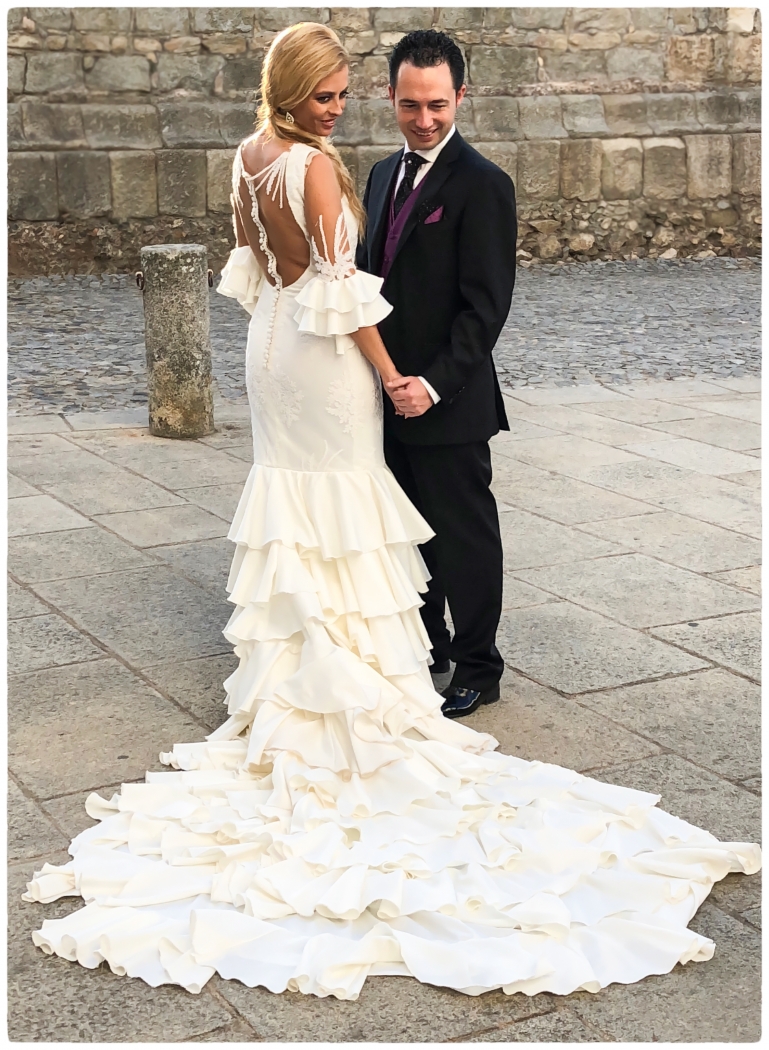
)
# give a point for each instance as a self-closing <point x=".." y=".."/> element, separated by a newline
<point x="449" y="486"/>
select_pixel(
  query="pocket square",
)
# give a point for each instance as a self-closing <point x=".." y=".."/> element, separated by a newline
<point x="435" y="216"/>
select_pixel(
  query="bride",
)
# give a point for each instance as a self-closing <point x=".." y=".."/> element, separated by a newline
<point x="337" y="826"/>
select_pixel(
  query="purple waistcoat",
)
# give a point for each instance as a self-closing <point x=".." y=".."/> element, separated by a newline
<point x="395" y="227"/>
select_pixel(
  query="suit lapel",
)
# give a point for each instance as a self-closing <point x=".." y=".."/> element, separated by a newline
<point x="380" y="198"/>
<point x="430" y="185"/>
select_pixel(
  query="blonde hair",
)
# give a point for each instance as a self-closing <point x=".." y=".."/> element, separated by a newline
<point x="298" y="59"/>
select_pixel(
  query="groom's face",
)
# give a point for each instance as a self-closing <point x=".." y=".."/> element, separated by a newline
<point x="425" y="103"/>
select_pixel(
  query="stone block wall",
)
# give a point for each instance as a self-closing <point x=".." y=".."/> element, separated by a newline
<point x="628" y="131"/>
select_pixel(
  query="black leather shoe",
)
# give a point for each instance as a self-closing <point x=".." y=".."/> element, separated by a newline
<point x="460" y="702"/>
<point x="440" y="667"/>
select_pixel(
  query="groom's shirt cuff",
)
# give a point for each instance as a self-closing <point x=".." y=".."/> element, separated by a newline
<point x="433" y="393"/>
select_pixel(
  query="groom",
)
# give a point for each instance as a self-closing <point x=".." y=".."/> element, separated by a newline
<point x="442" y="233"/>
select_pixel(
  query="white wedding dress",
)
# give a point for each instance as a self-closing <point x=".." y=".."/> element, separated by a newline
<point x="337" y="826"/>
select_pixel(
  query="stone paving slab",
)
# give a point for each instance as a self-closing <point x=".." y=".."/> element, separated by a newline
<point x="566" y="453"/>
<point x="91" y="710"/>
<point x="38" y="444"/>
<point x="75" y="552"/>
<point x="91" y="484"/>
<point x="207" y="563"/>
<point x="568" y="395"/>
<point x="637" y="590"/>
<point x="668" y="389"/>
<point x="389" y="1010"/>
<point x="94" y="1005"/>
<point x="736" y="895"/>
<point x="145" y="615"/>
<point x="708" y="717"/>
<point x="694" y="793"/>
<point x="691" y="1003"/>
<point x="163" y="525"/>
<point x="748" y="578"/>
<point x="530" y="540"/>
<point x="724" y="431"/>
<point x="522" y="428"/>
<point x="696" y="455"/>
<point x="17" y="487"/>
<point x="201" y="466"/>
<point x="29" y="514"/>
<point x="579" y="418"/>
<point x="733" y="641"/>
<point x="244" y="452"/>
<point x="47" y="641"/>
<point x="683" y="541"/>
<point x="30" y="832"/>
<point x="630" y="631"/>
<point x="67" y="811"/>
<point x="559" y="1026"/>
<point x="648" y="479"/>
<point x="22" y="603"/>
<point x="573" y="650"/>
<point x="737" y="409"/>
<point x="736" y="508"/>
<point x="641" y="412"/>
<point x="749" y="478"/>
<point x="221" y="500"/>
<point x="535" y="723"/>
<point x="518" y="595"/>
<point x="237" y="1031"/>
<point x="47" y="423"/>
<point x="565" y="500"/>
<point x="196" y="685"/>
<point x="118" y="418"/>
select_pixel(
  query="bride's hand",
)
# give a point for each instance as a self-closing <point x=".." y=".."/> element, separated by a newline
<point x="386" y="384"/>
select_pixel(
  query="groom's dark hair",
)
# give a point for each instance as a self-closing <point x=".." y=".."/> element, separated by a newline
<point x="428" y="47"/>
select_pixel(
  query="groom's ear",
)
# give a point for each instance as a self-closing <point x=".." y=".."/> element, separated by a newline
<point x="391" y="93"/>
<point x="461" y="93"/>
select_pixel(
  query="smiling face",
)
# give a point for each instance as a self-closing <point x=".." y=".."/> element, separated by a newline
<point x="425" y="103"/>
<point x="319" y="113"/>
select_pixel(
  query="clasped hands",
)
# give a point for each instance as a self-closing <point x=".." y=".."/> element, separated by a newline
<point x="408" y="395"/>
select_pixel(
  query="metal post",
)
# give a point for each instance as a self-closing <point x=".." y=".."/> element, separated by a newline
<point x="175" y="280"/>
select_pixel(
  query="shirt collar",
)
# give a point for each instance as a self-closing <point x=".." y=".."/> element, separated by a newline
<point x="430" y="155"/>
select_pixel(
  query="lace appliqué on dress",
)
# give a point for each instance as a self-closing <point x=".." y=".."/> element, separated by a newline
<point x="352" y="406"/>
<point x="344" y="258"/>
<point x="277" y="390"/>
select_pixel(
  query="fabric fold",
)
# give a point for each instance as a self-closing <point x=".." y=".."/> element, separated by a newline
<point x="242" y="278"/>
<point x="340" y="307"/>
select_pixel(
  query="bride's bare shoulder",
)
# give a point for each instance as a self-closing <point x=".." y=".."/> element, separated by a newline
<point x="258" y="151"/>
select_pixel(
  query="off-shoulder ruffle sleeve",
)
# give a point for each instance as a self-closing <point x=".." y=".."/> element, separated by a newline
<point x="340" y="307"/>
<point x="242" y="278"/>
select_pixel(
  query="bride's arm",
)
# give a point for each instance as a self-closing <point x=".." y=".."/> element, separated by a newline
<point x="333" y="254"/>
<point x="369" y="342"/>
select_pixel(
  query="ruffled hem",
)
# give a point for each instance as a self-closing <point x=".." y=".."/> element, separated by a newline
<point x="333" y="308"/>
<point x="242" y="278"/>
<point x="337" y="826"/>
<point x="308" y="881"/>
<point x="335" y="512"/>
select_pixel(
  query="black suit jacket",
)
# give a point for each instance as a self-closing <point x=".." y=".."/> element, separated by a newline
<point x="451" y="284"/>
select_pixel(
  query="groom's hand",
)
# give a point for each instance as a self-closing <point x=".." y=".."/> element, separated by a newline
<point x="409" y="396"/>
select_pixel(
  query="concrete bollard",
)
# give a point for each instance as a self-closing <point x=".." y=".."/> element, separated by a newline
<point x="174" y="280"/>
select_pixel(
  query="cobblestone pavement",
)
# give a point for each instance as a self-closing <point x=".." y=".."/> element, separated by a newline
<point x="78" y="342"/>
<point x="631" y="636"/>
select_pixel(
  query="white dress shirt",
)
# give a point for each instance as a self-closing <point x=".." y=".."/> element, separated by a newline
<point x="430" y="155"/>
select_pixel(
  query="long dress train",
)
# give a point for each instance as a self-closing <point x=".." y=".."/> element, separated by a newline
<point x="337" y="826"/>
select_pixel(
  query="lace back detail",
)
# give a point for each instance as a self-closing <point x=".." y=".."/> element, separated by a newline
<point x="273" y="178"/>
